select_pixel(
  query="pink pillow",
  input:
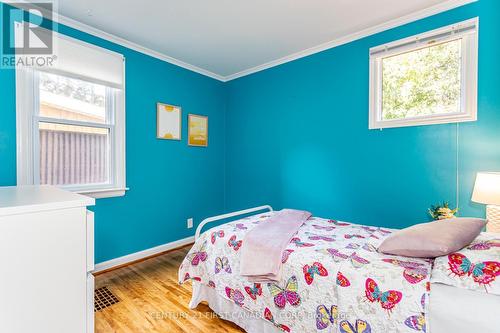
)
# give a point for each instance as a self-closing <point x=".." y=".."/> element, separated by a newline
<point x="433" y="239"/>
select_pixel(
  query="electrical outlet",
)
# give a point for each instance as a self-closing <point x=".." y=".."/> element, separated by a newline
<point x="190" y="223"/>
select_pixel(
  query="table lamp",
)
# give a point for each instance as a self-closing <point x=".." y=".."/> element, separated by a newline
<point x="487" y="191"/>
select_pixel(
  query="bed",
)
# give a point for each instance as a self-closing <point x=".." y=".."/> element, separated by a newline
<point x="333" y="281"/>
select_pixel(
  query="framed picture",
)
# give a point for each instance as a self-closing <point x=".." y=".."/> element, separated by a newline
<point x="168" y="121"/>
<point x="198" y="130"/>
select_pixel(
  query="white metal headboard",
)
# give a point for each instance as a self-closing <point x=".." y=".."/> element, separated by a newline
<point x="228" y="215"/>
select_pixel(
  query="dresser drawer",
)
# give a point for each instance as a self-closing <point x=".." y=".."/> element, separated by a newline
<point x="90" y="241"/>
<point x="90" y="303"/>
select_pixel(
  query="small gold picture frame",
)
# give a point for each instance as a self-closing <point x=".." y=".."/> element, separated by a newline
<point x="197" y="130"/>
<point x="168" y="122"/>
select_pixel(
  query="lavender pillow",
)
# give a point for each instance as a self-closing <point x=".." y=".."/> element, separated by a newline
<point x="433" y="239"/>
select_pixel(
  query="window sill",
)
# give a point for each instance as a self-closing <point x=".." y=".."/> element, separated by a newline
<point x="423" y="121"/>
<point x="104" y="193"/>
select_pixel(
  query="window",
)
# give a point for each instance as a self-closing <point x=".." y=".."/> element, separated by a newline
<point x="426" y="79"/>
<point x="71" y="130"/>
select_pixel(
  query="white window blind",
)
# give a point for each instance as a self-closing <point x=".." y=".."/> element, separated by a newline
<point x="84" y="61"/>
<point x="456" y="31"/>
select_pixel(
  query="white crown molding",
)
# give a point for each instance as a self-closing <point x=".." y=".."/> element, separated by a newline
<point x="120" y="261"/>
<point x="133" y="46"/>
<point x="418" y="15"/>
<point x="442" y="7"/>
<point x="61" y="19"/>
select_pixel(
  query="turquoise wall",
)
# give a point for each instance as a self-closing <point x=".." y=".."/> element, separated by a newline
<point x="169" y="181"/>
<point x="297" y="136"/>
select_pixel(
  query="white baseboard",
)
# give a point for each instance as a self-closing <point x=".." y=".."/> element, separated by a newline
<point x="141" y="254"/>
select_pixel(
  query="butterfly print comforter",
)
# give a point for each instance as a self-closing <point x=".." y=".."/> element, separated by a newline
<point x="476" y="267"/>
<point x="333" y="279"/>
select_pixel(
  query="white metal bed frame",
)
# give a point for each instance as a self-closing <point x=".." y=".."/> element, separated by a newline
<point x="229" y="215"/>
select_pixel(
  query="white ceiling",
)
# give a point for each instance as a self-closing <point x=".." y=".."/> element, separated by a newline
<point x="229" y="38"/>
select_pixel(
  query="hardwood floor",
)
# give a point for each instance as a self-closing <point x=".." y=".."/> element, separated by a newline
<point x="151" y="300"/>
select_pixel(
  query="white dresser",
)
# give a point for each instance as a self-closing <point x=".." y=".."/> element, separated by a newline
<point x="46" y="256"/>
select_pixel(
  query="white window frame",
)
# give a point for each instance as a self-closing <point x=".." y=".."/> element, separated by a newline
<point x="468" y="31"/>
<point x="27" y="132"/>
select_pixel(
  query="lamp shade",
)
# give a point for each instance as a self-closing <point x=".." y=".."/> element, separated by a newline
<point x="487" y="188"/>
